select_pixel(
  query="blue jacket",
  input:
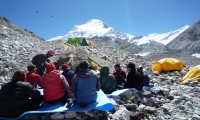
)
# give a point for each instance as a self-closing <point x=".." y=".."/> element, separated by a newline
<point x="68" y="75"/>
<point x="85" y="85"/>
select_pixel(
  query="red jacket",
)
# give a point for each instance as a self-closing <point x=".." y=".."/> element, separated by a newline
<point x="32" y="78"/>
<point x="120" y="72"/>
<point x="55" y="85"/>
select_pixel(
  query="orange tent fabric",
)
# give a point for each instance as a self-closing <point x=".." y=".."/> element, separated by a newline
<point x="90" y="43"/>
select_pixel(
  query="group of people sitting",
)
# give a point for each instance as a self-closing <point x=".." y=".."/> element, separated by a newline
<point x="21" y="93"/>
<point x="135" y="78"/>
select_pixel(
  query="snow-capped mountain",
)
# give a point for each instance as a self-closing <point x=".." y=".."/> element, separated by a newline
<point x="93" y="28"/>
<point x="163" y="38"/>
<point x="98" y="28"/>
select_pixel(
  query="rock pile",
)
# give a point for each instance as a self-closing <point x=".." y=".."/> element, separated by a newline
<point x="17" y="47"/>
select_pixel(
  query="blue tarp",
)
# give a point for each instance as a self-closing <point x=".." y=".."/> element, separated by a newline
<point x="103" y="103"/>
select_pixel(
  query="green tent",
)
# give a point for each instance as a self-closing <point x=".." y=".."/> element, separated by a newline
<point x="78" y="41"/>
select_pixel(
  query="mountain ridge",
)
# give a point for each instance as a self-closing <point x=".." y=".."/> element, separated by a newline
<point x="153" y="43"/>
<point x="188" y="41"/>
<point x="96" y="27"/>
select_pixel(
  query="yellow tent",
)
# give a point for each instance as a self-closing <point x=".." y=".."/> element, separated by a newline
<point x="193" y="74"/>
<point x="167" y="64"/>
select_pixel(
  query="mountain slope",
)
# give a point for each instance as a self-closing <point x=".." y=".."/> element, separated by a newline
<point x="96" y="28"/>
<point x="17" y="47"/>
<point x="188" y="41"/>
<point x="163" y="38"/>
<point x="93" y="28"/>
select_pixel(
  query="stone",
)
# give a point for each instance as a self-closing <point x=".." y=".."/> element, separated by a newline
<point x="168" y="106"/>
<point x="130" y="107"/>
<point x="70" y="114"/>
<point x="5" y="71"/>
<point x="189" y="104"/>
<point x="121" y="114"/>
<point x="176" y="101"/>
<point x="2" y="80"/>
<point x="57" y="116"/>
<point x="196" y="117"/>
<point x="103" y="115"/>
<point x="128" y="93"/>
<point x="137" y="116"/>
<point x="150" y="109"/>
<point x="146" y="93"/>
<point x="141" y="107"/>
<point x="144" y="100"/>
<point x="196" y="89"/>
<point x="116" y="107"/>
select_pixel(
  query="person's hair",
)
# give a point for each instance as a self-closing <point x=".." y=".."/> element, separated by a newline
<point x="84" y="65"/>
<point x="131" y="66"/>
<point x="117" y="65"/>
<point x="30" y="67"/>
<point x="77" y="68"/>
<point x="19" y="76"/>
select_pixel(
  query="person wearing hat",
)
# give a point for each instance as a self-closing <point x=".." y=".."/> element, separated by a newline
<point x="107" y="80"/>
<point x="68" y="73"/>
<point x="41" y="60"/>
<point x="55" y="85"/>
<point x="33" y="78"/>
<point x="85" y="85"/>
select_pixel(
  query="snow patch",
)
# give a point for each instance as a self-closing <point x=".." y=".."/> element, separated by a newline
<point x="55" y="38"/>
<point x="142" y="54"/>
<point x="196" y="55"/>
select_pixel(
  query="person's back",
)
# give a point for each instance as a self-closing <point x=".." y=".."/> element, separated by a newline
<point x="33" y="78"/>
<point x="145" y="77"/>
<point x="134" y="78"/>
<point x="67" y="73"/>
<point x="120" y="74"/>
<point x="41" y="60"/>
<point x="38" y="60"/>
<point x="17" y="97"/>
<point x="108" y="81"/>
<point x="85" y="85"/>
<point x="55" y="85"/>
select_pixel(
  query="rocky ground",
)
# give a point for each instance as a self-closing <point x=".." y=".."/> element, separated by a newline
<point x="168" y="98"/>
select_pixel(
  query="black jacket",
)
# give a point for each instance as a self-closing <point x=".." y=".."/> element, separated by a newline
<point x="39" y="59"/>
<point x="134" y="80"/>
<point x="18" y="97"/>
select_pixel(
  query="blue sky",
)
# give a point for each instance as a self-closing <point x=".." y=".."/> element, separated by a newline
<point x="50" y="18"/>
